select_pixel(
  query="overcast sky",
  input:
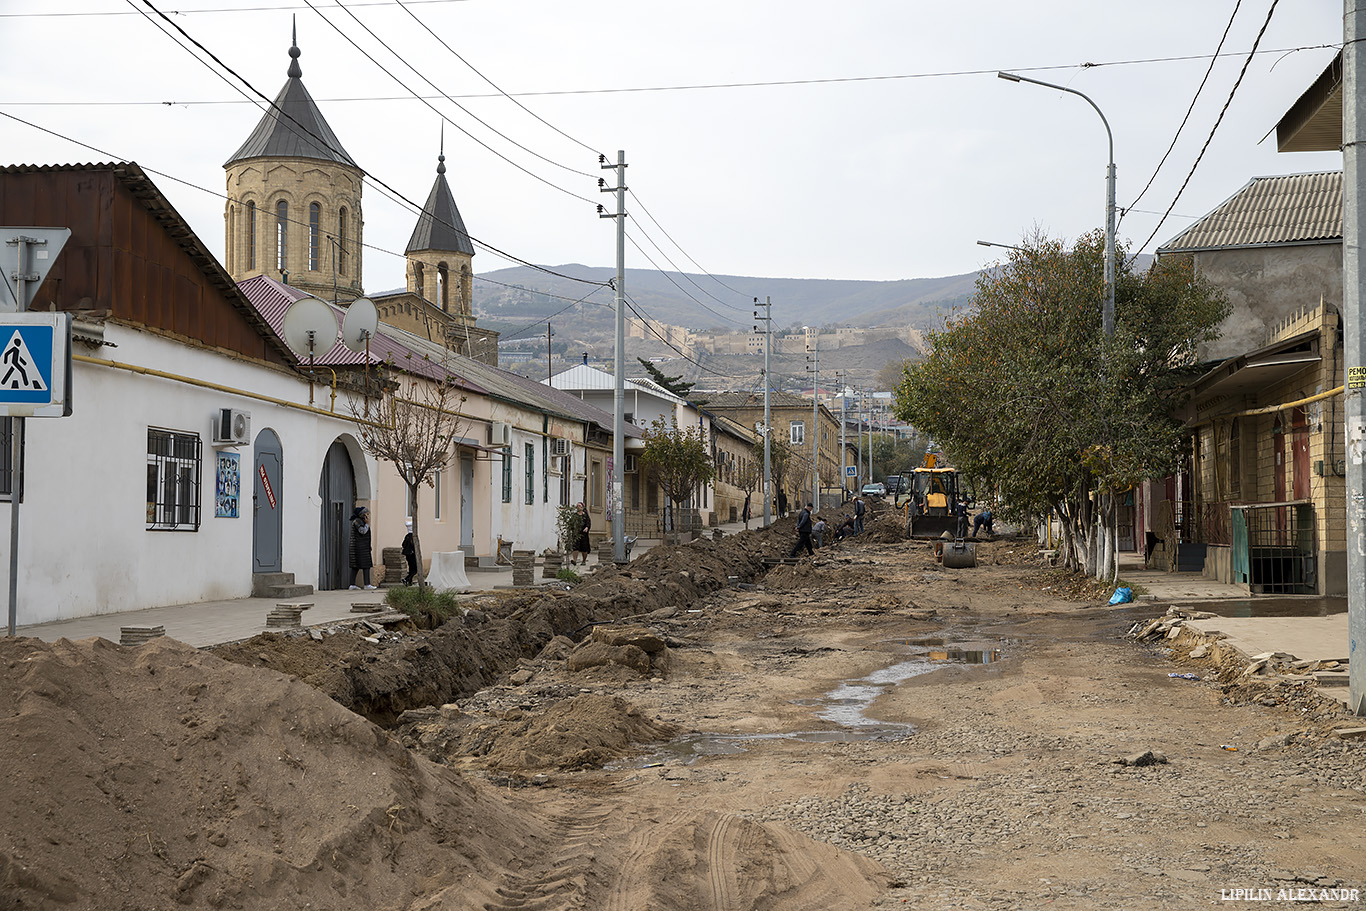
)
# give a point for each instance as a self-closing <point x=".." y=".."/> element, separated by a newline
<point x="866" y="139"/>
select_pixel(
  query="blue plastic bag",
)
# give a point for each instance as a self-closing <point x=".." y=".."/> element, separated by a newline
<point x="1122" y="596"/>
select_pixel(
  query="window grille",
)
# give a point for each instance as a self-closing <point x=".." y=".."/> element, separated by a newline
<point x="173" y="462"/>
<point x="282" y="236"/>
<point x="251" y="235"/>
<point x="507" y="474"/>
<point x="314" y="216"/>
<point x="530" y="485"/>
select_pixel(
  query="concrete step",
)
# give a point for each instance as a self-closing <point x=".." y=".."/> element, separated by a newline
<point x="288" y="591"/>
<point x="262" y="584"/>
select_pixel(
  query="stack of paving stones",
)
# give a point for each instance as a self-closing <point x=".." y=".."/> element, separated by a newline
<point x="554" y="560"/>
<point x="523" y="568"/>
<point x="366" y="607"/>
<point x="138" y="635"/>
<point x="606" y="551"/>
<point x="286" y="616"/>
<point x="717" y="533"/>
<point x="395" y="566"/>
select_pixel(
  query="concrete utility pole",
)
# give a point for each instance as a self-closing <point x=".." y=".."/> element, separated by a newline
<point x="844" y="459"/>
<point x="815" y="422"/>
<point x="767" y="319"/>
<point x="619" y="360"/>
<point x="548" y="336"/>
<point x="1354" y="339"/>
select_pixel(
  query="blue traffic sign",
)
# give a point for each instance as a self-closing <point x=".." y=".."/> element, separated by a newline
<point x="35" y="364"/>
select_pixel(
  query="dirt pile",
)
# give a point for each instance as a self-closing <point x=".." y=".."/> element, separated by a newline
<point x="151" y="777"/>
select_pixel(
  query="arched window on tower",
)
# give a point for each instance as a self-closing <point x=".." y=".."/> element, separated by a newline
<point x="342" y="248"/>
<point x="282" y="236"/>
<point x="418" y="277"/>
<point x="443" y="278"/>
<point x="466" y="291"/>
<point x="251" y="235"/>
<point x="315" y="212"/>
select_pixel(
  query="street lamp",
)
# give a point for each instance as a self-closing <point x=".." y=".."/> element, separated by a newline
<point x="1108" y="313"/>
<point x="991" y="243"/>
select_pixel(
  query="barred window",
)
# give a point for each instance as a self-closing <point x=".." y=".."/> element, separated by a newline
<point x="314" y="216"/>
<point x="282" y="236"/>
<point x="507" y="474"/>
<point x="173" y="480"/>
<point x="7" y="461"/>
<point x="530" y="473"/>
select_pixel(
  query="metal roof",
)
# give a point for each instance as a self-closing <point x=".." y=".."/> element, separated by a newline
<point x="293" y="127"/>
<point x="1270" y="211"/>
<point x="272" y="299"/>
<point x="583" y="378"/>
<point x="440" y="226"/>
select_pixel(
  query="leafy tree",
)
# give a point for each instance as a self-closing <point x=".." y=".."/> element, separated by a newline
<point x="679" y="458"/>
<point x="889" y="374"/>
<point x="1028" y="398"/>
<point x="673" y="384"/>
<point x="412" y="426"/>
<point x="893" y="456"/>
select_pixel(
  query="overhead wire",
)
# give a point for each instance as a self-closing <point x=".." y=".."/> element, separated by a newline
<point x="649" y="324"/>
<point x="663" y="272"/>
<point x="656" y="223"/>
<point x="1214" y="129"/>
<point x="444" y="95"/>
<point x="325" y="144"/>
<point x="1186" y="119"/>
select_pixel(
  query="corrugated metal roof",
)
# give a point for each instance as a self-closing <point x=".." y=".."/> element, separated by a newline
<point x="440" y="226"/>
<point x="1270" y="211"/>
<point x="293" y="127"/>
<point x="583" y="378"/>
<point x="272" y="299"/>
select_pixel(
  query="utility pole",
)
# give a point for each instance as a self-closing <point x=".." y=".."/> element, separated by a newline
<point x="619" y="360"/>
<point x="815" y="421"/>
<point x="843" y="378"/>
<point x="767" y="320"/>
<point x="548" y="336"/>
<point x="1354" y="344"/>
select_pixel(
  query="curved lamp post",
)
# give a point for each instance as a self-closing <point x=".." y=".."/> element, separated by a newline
<point x="1108" y="313"/>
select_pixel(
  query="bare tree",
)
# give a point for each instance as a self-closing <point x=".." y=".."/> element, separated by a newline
<point x="413" y="426"/>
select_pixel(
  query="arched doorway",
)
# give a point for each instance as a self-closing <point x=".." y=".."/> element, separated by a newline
<point x="337" y="491"/>
<point x="267" y="524"/>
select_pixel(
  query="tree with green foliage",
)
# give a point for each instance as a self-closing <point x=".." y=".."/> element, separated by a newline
<point x="673" y="384"/>
<point x="1027" y="397"/>
<point x="679" y="458"/>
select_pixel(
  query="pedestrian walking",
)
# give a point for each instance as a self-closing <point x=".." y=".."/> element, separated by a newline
<point x="782" y="504"/>
<point x="859" y="510"/>
<point x="582" y="541"/>
<point x="803" y="532"/>
<point x="745" y="514"/>
<point x="362" y="557"/>
<point x="409" y="553"/>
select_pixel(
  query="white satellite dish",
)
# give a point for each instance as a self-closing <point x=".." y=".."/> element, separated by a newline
<point x="310" y="327"/>
<point x="358" y="328"/>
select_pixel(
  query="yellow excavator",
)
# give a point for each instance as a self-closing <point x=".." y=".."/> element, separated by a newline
<point x="935" y="500"/>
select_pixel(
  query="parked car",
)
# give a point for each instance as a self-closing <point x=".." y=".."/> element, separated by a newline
<point x="876" y="489"/>
<point x="893" y="484"/>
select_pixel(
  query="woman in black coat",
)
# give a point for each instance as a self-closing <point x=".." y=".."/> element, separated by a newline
<point x="582" y="542"/>
<point x="361" y="556"/>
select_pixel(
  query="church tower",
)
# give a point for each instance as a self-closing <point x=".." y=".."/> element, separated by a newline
<point x="440" y="255"/>
<point x="293" y="209"/>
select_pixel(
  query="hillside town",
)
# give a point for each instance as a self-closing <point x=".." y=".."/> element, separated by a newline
<point x="1057" y="610"/>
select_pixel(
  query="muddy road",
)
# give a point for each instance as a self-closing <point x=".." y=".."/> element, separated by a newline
<point x="865" y="731"/>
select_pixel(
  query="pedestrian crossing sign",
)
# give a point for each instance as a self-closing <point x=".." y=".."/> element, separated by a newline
<point x="35" y="364"/>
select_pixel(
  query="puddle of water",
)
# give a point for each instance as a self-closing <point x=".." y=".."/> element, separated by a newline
<point x="1271" y="606"/>
<point x="844" y="706"/>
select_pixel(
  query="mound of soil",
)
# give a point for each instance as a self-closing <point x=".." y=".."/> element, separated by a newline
<point x="146" y="778"/>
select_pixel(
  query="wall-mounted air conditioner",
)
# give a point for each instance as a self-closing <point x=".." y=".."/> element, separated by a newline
<point x="559" y="448"/>
<point x="231" y="427"/>
<point x="500" y="434"/>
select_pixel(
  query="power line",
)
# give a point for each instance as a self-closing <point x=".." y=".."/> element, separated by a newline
<point x="476" y="71"/>
<point x="545" y="319"/>
<point x="650" y="215"/>
<point x="463" y="109"/>
<point x="773" y="83"/>
<point x="323" y="142"/>
<point x="1184" y="120"/>
<point x="1214" y="129"/>
<point x="649" y="321"/>
<point x="682" y="290"/>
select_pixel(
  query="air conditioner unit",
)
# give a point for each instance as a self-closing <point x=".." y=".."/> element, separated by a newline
<point x="559" y="448"/>
<point x="231" y="427"/>
<point x="630" y="466"/>
<point x="500" y="434"/>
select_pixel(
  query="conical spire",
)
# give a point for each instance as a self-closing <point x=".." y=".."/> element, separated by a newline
<point x="293" y="127"/>
<point x="440" y="226"/>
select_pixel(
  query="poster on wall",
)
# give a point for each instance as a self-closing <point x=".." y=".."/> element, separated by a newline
<point x="227" y="485"/>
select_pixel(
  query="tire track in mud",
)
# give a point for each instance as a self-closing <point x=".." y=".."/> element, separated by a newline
<point x="561" y="881"/>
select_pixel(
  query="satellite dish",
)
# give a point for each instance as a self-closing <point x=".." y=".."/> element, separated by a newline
<point x="310" y="327"/>
<point x="362" y="319"/>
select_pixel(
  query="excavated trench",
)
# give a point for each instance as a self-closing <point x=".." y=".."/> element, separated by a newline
<point x="436" y="666"/>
